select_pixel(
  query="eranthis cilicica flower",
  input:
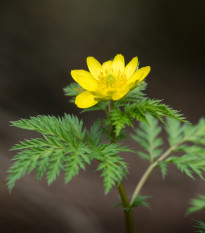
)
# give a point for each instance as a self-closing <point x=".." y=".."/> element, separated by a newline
<point x="110" y="81"/>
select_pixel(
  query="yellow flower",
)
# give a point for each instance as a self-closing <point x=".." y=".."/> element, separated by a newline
<point x="109" y="81"/>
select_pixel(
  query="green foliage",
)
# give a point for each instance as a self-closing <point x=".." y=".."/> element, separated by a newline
<point x="61" y="128"/>
<point x="174" y="131"/>
<point x="140" y="200"/>
<point x="78" y="158"/>
<point x="163" y="166"/>
<point x="188" y="164"/>
<point x="66" y="146"/>
<point x="196" y="134"/>
<point x="189" y="140"/>
<point x="95" y="135"/>
<point x="186" y="143"/>
<point x="112" y="165"/>
<point x="119" y="120"/>
<point x="137" y="109"/>
<point x="73" y="89"/>
<point x="200" y="226"/>
<point x="61" y="148"/>
<point x="147" y="135"/>
<point x="197" y="204"/>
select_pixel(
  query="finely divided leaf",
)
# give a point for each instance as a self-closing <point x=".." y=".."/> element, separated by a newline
<point x="119" y="120"/>
<point x="124" y="113"/>
<point x="196" y="133"/>
<point x="174" y="130"/>
<point x="200" y="226"/>
<point x="77" y="159"/>
<point x="112" y="165"/>
<point x="189" y="163"/>
<point x="73" y="89"/>
<point x="163" y="166"/>
<point x="197" y="204"/>
<point x="62" y="128"/>
<point x="189" y="140"/>
<point x="140" y="200"/>
<point x="139" y="108"/>
<point x="148" y="137"/>
<point x="62" y="148"/>
<point x="94" y="137"/>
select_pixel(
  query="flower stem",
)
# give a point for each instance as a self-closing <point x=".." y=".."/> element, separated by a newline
<point x="149" y="170"/>
<point x="128" y="212"/>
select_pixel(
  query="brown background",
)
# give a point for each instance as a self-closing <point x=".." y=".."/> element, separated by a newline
<point x="40" y="42"/>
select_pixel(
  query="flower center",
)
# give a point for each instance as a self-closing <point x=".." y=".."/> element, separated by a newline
<point x="110" y="82"/>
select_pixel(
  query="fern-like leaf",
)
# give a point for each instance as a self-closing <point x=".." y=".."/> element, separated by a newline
<point x="140" y="200"/>
<point x="112" y="165"/>
<point x="197" y="204"/>
<point x="153" y="107"/>
<point x="119" y="120"/>
<point x="62" y="148"/>
<point x="174" y="130"/>
<point x="188" y="140"/>
<point x="73" y="89"/>
<point x="77" y="159"/>
<point x="200" y="226"/>
<point x="148" y="137"/>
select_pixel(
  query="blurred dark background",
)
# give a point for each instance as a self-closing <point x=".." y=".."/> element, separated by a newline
<point x="40" y="43"/>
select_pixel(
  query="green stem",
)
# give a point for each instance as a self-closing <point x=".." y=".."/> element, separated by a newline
<point x="128" y="212"/>
<point x="149" y="170"/>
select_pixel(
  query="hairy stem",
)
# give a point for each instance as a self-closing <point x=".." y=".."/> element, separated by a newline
<point x="149" y="170"/>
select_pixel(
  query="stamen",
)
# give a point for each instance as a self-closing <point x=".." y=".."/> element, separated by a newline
<point x="110" y="82"/>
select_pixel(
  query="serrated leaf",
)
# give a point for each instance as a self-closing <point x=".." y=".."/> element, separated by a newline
<point x="55" y="165"/>
<point x="197" y="204"/>
<point x="111" y="164"/>
<point x="62" y="137"/>
<point x="94" y="137"/>
<point x="73" y="89"/>
<point x="174" y="130"/>
<point x="196" y="133"/>
<point x="119" y="120"/>
<point x="76" y="160"/>
<point x="200" y="226"/>
<point x="188" y="164"/>
<point x="144" y="106"/>
<point x="163" y="166"/>
<point x="43" y="164"/>
<point x="140" y="200"/>
<point x="148" y="137"/>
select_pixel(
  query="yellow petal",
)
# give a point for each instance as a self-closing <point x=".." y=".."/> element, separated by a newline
<point x="139" y="75"/>
<point x="131" y="67"/>
<point x="118" y="65"/>
<point x="107" y="66"/>
<point x="85" y="79"/>
<point x="85" y="100"/>
<point x="94" y="67"/>
<point x="120" y="94"/>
